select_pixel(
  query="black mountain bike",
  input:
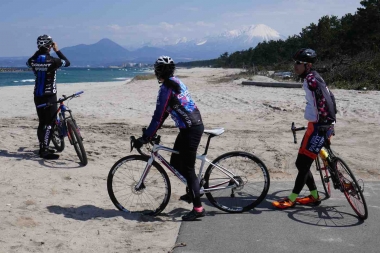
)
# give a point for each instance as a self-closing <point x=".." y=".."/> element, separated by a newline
<point x="334" y="171"/>
<point x="65" y="125"/>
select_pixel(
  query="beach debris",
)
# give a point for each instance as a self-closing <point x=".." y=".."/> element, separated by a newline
<point x="274" y="107"/>
<point x="182" y="244"/>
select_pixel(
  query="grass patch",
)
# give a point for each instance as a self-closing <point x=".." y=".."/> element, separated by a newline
<point x="232" y="77"/>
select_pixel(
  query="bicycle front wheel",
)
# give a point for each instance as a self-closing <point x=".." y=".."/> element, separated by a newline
<point x="153" y="195"/>
<point x="351" y="189"/>
<point x="58" y="139"/>
<point x="325" y="178"/>
<point x="250" y="173"/>
<point x="76" y="141"/>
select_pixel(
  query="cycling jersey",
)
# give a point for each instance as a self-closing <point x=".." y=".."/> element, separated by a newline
<point x="45" y="69"/>
<point x="178" y="104"/>
<point x="320" y="101"/>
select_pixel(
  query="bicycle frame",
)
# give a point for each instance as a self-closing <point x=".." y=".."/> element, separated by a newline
<point x="203" y="158"/>
<point x="63" y="108"/>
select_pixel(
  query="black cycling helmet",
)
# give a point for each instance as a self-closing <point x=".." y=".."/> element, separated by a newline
<point x="305" y="55"/>
<point x="164" y="67"/>
<point x="44" y="41"/>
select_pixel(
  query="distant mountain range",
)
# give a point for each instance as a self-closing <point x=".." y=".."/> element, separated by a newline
<point x="106" y="52"/>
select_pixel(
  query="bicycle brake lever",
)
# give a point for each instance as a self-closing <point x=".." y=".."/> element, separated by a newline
<point x="294" y="133"/>
<point x="132" y="142"/>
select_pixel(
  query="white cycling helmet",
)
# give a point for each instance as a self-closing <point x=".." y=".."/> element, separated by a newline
<point x="44" y="41"/>
<point x="164" y="67"/>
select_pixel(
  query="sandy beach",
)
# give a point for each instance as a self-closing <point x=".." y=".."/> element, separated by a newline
<point x="59" y="206"/>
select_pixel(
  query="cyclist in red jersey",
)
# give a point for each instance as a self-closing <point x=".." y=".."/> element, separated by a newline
<point x="319" y="112"/>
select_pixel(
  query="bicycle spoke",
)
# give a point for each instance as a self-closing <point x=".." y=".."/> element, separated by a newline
<point x="351" y="189"/>
<point x="154" y="193"/>
<point x="246" y="189"/>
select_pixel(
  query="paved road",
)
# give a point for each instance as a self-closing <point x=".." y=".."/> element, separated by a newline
<point x="330" y="227"/>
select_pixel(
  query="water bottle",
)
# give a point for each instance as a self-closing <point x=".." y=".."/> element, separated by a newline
<point x="325" y="156"/>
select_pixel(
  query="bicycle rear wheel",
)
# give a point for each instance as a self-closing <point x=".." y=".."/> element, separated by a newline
<point x="58" y="139"/>
<point x="325" y="177"/>
<point x="351" y="189"/>
<point x="124" y="175"/>
<point x="251" y="174"/>
<point x="76" y="140"/>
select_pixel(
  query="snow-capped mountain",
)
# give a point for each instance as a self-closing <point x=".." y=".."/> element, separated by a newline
<point x="254" y="31"/>
<point x="247" y="33"/>
<point x="229" y="41"/>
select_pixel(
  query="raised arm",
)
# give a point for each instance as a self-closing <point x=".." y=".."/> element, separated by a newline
<point x="64" y="62"/>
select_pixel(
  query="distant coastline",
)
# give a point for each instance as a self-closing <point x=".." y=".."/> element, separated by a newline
<point x="14" y="69"/>
<point x="23" y="76"/>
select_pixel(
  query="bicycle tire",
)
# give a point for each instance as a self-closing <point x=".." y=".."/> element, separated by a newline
<point x="122" y="179"/>
<point x="76" y="141"/>
<point x="57" y="139"/>
<point x="351" y="188"/>
<point x="237" y="200"/>
<point x="325" y="178"/>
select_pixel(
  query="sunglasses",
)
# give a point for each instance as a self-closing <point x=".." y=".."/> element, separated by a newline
<point x="300" y="62"/>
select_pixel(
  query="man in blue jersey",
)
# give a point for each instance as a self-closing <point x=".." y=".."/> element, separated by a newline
<point x="45" y="68"/>
<point x="174" y="99"/>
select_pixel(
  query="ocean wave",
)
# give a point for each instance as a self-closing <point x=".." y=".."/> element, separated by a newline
<point x="121" y="78"/>
<point x="25" y="81"/>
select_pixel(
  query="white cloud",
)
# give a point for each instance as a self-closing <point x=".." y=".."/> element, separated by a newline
<point x="115" y="27"/>
<point x="166" y="26"/>
<point x="204" y="24"/>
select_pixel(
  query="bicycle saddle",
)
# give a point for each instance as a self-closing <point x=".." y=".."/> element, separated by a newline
<point x="215" y="132"/>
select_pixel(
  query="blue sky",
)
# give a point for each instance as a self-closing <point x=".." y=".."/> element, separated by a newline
<point x="132" y="22"/>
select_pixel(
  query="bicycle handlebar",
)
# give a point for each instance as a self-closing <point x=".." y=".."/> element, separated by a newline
<point x="295" y="129"/>
<point x="61" y="99"/>
<point x="155" y="140"/>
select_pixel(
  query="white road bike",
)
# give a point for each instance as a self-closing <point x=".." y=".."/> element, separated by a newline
<point x="234" y="182"/>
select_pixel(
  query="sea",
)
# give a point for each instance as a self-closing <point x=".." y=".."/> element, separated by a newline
<point x="75" y="75"/>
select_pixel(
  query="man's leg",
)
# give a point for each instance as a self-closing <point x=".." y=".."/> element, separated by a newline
<point x="305" y="158"/>
<point x="303" y="164"/>
<point x="46" y="116"/>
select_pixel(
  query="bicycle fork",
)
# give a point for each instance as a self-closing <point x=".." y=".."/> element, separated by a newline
<point x="140" y="185"/>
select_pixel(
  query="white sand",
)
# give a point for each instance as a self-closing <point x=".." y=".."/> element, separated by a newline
<point x="58" y="206"/>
